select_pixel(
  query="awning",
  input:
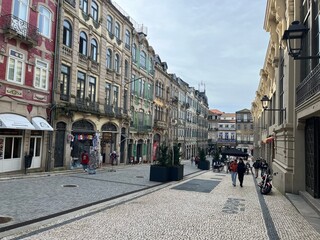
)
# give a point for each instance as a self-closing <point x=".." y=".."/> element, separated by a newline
<point x="14" y="121"/>
<point x="268" y="140"/>
<point x="41" y="124"/>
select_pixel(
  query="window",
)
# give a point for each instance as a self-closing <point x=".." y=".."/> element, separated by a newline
<point x="134" y="53"/>
<point x="109" y="24"/>
<point x="44" y="21"/>
<point x="141" y="87"/>
<point x="65" y="78"/>
<point x="143" y="62"/>
<point x="226" y="135"/>
<point x="94" y="50"/>
<point x="94" y="11"/>
<point x="83" y="44"/>
<point x="117" y="63"/>
<point x="108" y="94"/>
<point x="84" y="6"/>
<point x="81" y="85"/>
<point x="13" y="147"/>
<point x="15" y="67"/>
<point x="115" y="96"/>
<point x="126" y="69"/>
<point x="133" y="77"/>
<point x="92" y="89"/>
<point x="127" y="39"/>
<point x="109" y="57"/>
<point x="67" y="34"/>
<point x="41" y="75"/>
<point x="117" y="30"/>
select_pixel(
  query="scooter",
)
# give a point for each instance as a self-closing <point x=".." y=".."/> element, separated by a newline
<point x="265" y="185"/>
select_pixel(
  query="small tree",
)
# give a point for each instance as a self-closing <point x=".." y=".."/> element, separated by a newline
<point x="176" y="156"/>
<point x="163" y="156"/>
<point x="202" y="155"/>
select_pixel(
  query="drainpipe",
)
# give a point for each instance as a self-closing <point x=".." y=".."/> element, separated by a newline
<point x="56" y="68"/>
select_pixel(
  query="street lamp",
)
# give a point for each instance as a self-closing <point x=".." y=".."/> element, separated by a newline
<point x="265" y="100"/>
<point x="294" y="37"/>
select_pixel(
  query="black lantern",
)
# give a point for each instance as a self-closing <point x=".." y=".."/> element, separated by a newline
<point x="265" y="101"/>
<point x="294" y="37"/>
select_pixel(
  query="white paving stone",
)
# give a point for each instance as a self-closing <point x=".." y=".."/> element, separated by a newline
<point x="176" y="214"/>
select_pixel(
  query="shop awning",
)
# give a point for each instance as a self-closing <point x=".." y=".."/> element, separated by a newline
<point x="14" y="121"/>
<point x="41" y="124"/>
<point x="268" y="140"/>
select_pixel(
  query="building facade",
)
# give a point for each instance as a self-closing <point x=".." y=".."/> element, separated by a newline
<point x="244" y="132"/>
<point x="88" y="79"/>
<point x="227" y="131"/>
<point x="27" y="43"/>
<point x="289" y="130"/>
<point x="213" y="129"/>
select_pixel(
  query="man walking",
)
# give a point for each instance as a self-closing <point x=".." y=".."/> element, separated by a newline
<point x="241" y="170"/>
<point x="256" y="166"/>
<point x="233" y="169"/>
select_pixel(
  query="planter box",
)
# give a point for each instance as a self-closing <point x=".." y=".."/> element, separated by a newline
<point x="176" y="173"/>
<point x="204" y="165"/>
<point x="159" y="173"/>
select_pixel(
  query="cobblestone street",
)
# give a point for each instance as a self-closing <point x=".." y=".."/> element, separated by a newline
<point x="204" y="205"/>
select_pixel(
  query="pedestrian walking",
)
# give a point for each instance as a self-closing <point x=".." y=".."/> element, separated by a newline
<point x="256" y="166"/>
<point x="85" y="160"/>
<point x="113" y="158"/>
<point x="241" y="168"/>
<point x="233" y="169"/>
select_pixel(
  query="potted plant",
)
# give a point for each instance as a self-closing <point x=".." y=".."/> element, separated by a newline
<point x="204" y="164"/>
<point x="159" y="172"/>
<point x="176" y="168"/>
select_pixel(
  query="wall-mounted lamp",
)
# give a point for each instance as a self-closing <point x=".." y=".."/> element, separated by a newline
<point x="265" y="101"/>
<point x="294" y="37"/>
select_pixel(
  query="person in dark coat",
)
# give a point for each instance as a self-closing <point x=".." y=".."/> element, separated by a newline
<point x="241" y="169"/>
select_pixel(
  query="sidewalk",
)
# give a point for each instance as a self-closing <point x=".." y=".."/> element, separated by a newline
<point x="204" y="206"/>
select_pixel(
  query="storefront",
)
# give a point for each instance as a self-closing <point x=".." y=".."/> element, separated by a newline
<point x="18" y="138"/>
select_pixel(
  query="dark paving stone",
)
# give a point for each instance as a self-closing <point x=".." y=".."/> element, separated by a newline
<point x="198" y="185"/>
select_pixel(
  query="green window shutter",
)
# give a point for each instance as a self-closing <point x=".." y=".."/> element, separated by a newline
<point x="144" y="149"/>
<point x="134" y="150"/>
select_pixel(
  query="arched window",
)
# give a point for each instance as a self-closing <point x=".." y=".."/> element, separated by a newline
<point x="44" y="23"/>
<point x="117" y="30"/>
<point x="143" y="62"/>
<point x="67" y="34"/>
<point x="109" y="24"/>
<point x="117" y="63"/>
<point x="134" y="52"/>
<point x="94" y="50"/>
<point x="127" y="39"/>
<point x="109" y="57"/>
<point x="94" y="11"/>
<point x="83" y="43"/>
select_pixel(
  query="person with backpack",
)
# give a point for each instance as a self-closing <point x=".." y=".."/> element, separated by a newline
<point x="256" y="166"/>
<point x="241" y="168"/>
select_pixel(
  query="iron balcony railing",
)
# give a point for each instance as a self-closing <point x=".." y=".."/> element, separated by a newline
<point x="86" y="105"/>
<point x="16" y="26"/>
<point x="309" y="87"/>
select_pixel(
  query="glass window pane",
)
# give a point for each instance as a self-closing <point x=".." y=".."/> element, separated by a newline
<point x="8" y="147"/>
<point x="38" y="147"/>
<point x="17" y="148"/>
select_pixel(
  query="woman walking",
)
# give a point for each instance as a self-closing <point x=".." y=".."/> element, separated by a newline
<point x="233" y="169"/>
<point x="241" y="169"/>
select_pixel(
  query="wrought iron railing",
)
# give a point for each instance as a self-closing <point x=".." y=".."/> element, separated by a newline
<point x="24" y="30"/>
<point x="309" y="86"/>
<point x="84" y="104"/>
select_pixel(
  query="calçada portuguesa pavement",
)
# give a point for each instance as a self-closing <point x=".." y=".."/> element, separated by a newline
<point x="204" y="205"/>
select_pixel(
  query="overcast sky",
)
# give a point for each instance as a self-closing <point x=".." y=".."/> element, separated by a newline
<point x="221" y="43"/>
